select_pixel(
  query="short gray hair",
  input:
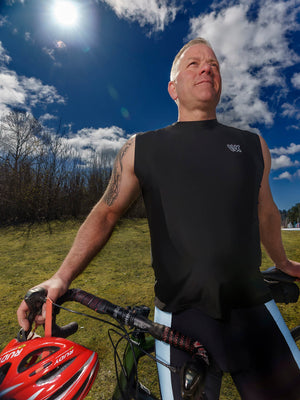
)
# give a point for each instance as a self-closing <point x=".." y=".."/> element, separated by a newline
<point x="174" y="69"/>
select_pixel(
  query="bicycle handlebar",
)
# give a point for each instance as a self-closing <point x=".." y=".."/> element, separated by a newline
<point x="130" y="318"/>
<point x="274" y="274"/>
<point x="283" y="286"/>
<point x="124" y="316"/>
<point x="35" y="298"/>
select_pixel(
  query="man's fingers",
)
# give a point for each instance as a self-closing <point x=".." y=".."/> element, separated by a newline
<point x="55" y="288"/>
<point x="22" y="316"/>
<point x="24" y="323"/>
<point x="40" y="319"/>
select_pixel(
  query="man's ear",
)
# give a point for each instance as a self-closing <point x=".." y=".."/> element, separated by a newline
<point x="172" y="90"/>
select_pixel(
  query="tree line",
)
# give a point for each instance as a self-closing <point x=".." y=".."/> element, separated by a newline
<point x="291" y="216"/>
<point x="43" y="179"/>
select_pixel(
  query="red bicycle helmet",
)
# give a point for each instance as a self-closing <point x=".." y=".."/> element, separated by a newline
<point x="46" y="369"/>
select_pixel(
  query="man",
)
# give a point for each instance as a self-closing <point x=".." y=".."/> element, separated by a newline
<point x="208" y="203"/>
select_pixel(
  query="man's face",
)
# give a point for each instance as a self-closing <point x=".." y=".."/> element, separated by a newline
<point x="198" y="80"/>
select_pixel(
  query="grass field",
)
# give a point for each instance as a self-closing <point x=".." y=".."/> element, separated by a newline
<point x="121" y="274"/>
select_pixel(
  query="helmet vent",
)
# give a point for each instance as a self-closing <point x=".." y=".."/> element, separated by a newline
<point x="50" y="376"/>
<point x="4" y="370"/>
<point x="85" y="386"/>
<point x="65" y="387"/>
<point x="36" y="357"/>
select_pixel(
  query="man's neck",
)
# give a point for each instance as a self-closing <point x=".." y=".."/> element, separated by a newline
<point x="196" y="115"/>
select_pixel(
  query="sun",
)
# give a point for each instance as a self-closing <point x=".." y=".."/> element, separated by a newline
<point x="65" y="12"/>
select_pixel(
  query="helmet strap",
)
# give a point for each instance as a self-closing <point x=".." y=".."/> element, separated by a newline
<point x="48" y="321"/>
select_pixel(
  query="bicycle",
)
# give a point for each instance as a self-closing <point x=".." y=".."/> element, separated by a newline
<point x="128" y="387"/>
<point x="141" y="337"/>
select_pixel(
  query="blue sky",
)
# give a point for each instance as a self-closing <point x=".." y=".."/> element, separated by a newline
<point x="105" y="75"/>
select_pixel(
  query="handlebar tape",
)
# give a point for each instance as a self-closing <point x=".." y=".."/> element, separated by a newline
<point x="128" y="317"/>
<point x="35" y="299"/>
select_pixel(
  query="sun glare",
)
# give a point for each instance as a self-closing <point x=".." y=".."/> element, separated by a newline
<point x="65" y="12"/>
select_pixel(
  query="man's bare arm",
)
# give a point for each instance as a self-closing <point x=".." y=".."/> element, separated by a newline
<point x="93" y="234"/>
<point x="121" y="191"/>
<point x="270" y="222"/>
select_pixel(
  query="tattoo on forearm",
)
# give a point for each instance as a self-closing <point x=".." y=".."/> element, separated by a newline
<point x="113" y="187"/>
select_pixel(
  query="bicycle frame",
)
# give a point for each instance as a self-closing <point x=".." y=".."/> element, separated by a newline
<point x="127" y="386"/>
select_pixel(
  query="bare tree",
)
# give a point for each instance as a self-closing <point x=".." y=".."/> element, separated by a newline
<point x="20" y="144"/>
<point x="19" y="137"/>
<point x="42" y="178"/>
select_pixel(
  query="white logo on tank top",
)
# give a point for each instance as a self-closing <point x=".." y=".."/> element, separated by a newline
<point x="235" y="148"/>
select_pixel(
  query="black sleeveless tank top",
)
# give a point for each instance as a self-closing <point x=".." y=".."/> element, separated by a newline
<point x="200" y="183"/>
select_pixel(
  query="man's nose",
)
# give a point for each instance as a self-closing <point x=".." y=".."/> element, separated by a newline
<point x="205" y="68"/>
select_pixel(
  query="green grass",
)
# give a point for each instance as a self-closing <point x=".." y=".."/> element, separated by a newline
<point x="121" y="274"/>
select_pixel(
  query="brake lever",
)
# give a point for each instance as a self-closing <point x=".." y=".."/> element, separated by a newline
<point x="34" y="298"/>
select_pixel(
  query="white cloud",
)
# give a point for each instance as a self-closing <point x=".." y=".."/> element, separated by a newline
<point x="89" y="140"/>
<point x="290" y="111"/>
<point x="289" y="176"/>
<point x="27" y="36"/>
<point x="284" y="175"/>
<point x="4" y="57"/>
<point x="3" y="20"/>
<point x="283" y="161"/>
<point x="11" y="92"/>
<point x="11" y="2"/>
<point x="291" y="149"/>
<point x="156" y="13"/>
<point x="47" y="117"/>
<point x="49" y="52"/>
<point x="21" y="91"/>
<point x="59" y="45"/>
<point x="252" y="52"/>
<point x="295" y="127"/>
<point x="38" y="93"/>
<point x="296" y="80"/>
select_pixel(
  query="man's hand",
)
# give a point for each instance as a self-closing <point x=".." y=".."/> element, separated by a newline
<point x="55" y="288"/>
<point x="290" y="267"/>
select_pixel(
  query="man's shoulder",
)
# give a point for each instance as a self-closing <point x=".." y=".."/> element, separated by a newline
<point x="242" y="135"/>
<point x="237" y="130"/>
<point x="156" y="131"/>
<point x="153" y="135"/>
